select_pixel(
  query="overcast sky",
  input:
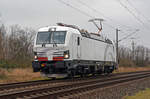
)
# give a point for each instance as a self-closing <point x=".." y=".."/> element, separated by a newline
<point x="40" y="13"/>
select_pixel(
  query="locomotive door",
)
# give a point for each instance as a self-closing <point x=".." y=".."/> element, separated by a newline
<point x="78" y="47"/>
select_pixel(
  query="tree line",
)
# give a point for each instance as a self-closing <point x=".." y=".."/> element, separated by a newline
<point x="138" y="55"/>
<point x="16" y="46"/>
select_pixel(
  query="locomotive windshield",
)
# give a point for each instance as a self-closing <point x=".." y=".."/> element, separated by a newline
<point x="53" y="37"/>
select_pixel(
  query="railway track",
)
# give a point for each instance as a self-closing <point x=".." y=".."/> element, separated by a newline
<point x="39" y="82"/>
<point x="45" y="89"/>
<point x="13" y="86"/>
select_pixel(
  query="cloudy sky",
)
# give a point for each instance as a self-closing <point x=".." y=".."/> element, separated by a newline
<point x="127" y="15"/>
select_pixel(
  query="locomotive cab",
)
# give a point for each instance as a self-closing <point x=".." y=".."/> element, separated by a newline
<point x="52" y="51"/>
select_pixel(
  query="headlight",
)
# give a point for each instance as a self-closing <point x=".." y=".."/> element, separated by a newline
<point x="35" y="57"/>
<point x="66" y="54"/>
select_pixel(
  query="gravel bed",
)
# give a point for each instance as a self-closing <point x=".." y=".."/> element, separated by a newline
<point x="115" y="92"/>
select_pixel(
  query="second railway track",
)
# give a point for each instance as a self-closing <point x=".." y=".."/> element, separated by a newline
<point x="70" y="87"/>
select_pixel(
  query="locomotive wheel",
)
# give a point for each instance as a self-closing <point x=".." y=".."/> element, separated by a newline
<point x="108" y="72"/>
<point x="53" y="78"/>
<point x="71" y="73"/>
<point x="93" y="74"/>
<point x="82" y="75"/>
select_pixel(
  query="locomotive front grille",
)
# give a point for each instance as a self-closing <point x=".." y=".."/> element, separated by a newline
<point x="58" y="54"/>
<point x="41" y="54"/>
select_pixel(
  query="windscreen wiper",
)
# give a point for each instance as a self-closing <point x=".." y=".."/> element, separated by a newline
<point x="44" y="43"/>
<point x="54" y="44"/>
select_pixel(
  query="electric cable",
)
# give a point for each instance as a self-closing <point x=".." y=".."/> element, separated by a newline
<point x="124" y="6"/>
<point x="81" y="11"/>
<point x="69" y="5"/>
<point x="137" y="10"/>
<point x="100" y="13"/>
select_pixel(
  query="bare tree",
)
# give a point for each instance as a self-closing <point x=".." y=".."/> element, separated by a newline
<point x="16" y="44"/>
<point x="2" y="39"/>
<point x="137" y="55"/>
<point x="20" y="42"/>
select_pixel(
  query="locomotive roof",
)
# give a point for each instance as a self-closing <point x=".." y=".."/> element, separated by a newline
<point x="77" y="31"/>
<point x="58" y="28"/>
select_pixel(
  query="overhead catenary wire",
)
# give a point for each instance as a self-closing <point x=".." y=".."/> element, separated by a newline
<point x="82" y="12"/>
<point x="100" y="13"/>
<point x="69" y="5"/>
<point x="93" y="9"/>
<point x="128" y="35"/>
<point x="137" y="18"/>
<point x="141" y="14"/>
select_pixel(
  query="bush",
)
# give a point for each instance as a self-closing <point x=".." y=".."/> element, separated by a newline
<point x="126" y="63"/>
<point x="6" y="65"/>
<point x="3" y="74"/>
<point x="12" y="64"/>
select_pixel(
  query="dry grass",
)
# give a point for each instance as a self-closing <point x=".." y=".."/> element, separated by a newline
<point x="18" y="75"/>
<point x="131" y="69"/>
<point x="140" y="95"/>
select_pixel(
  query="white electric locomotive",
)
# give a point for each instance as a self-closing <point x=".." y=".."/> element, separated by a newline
<point x="65" y="50"/>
